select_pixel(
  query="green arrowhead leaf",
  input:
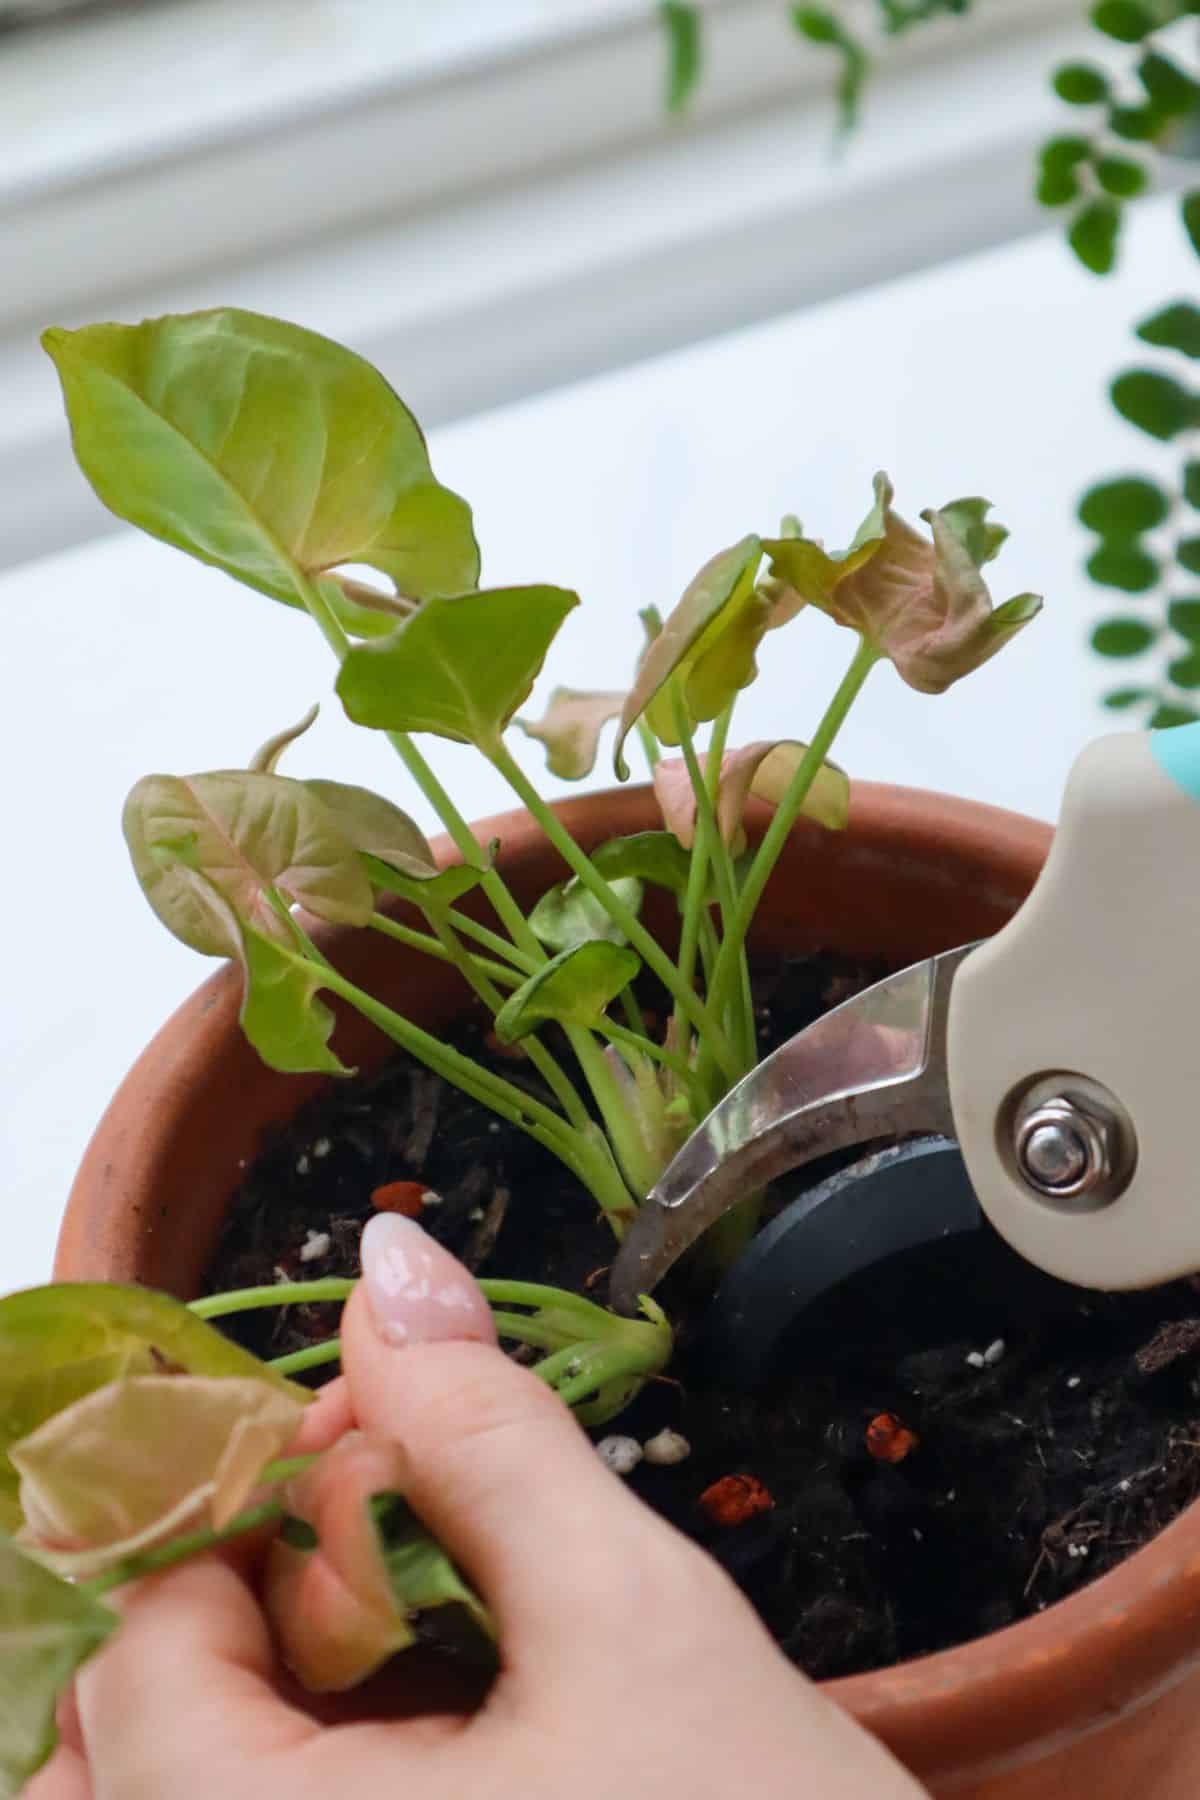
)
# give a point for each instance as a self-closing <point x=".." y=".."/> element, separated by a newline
<point x="421" y="1575"/>
<point x="1176" y="327"/>
<point x="1123" y="508"/>
<point x="281" y="1015"/>
<point x="209" y="849"/>
<point x="261" y="448"/>
<point x="656" y="857"/>
<point x="1122" y="637"/>
<point x="60" y="1342"/>
<point x="573" y="988"/>
<point x="570" y="729"/>
<point x="424" y="887"/>
<point x="48" y="1630"/>
<point x="707" y="645"/>
<point x="458" y="667"/>
<point x="1155" y="403"/>
<point x="567" y="914"/>
<point x="1122" y="563"/>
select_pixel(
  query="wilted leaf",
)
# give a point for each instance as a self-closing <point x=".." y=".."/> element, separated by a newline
<point x="761" y="769"/>
<point x="238" y="834"/>
<point x="262" y="448"/>
<point x="567" y="914"/>
<point x="924" y="605"/>
<point x="136" y="1462"/>
<point x="574" y="988"/>
<point x="707" y="645"/>
<point x="48" y="1629"/>
<point x="281" y="1015"/>
<point x="266" y="759"/>
<point x="458" y="667"/>
<point x="60" y="1342"/>
<point x="570" y="729"/>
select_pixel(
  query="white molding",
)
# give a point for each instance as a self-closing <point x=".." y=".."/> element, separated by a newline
<point x="488" y="225"/>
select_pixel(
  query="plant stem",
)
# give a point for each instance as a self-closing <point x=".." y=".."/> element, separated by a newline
<point x="286" y="1469"/>
<point x="649" y="744"/>
<point x="429" y="946"/>
<point x="311" y="1358"/>
<point x="192" y="1543"/>
<point x="277" y="1293"/>
<point x="646" y="1046"/>
<point x="785" y="816"/>
<point x="652" y="953"/>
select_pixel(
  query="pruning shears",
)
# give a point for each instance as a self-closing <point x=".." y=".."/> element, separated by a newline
<point x="1046" y="1079"/>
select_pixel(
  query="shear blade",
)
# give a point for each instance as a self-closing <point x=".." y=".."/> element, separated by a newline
<point x="910" y="1194"/>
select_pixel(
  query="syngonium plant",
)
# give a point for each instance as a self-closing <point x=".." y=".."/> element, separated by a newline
<point x="287" y="461"/>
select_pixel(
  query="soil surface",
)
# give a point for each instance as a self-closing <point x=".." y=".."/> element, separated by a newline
<point x="1056" y="1429"/>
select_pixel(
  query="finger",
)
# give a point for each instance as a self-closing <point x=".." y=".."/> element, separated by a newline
<point x="497" y="1467"/>
<point x="325" y="1421"/>
<point x="65" y="1777"/>
<point x="185" y="1680"/>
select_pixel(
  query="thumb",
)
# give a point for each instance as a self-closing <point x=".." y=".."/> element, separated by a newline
<point x="496" y="1467"/>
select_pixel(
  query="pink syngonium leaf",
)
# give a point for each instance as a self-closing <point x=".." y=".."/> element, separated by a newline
<point x="921" y="602"/>
<point x="144" y="1458"/>
<point x="570" y="729"/>
<point x="762" y="771"/>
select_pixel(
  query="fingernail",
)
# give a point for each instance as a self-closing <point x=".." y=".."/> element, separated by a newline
<point x="417" y="1292"/>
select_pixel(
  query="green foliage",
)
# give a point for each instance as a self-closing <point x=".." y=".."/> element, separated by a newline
<point x="681" y="22"/>
<point x="421" y="1576"/>
<point x="1128" y="505"/>
<point x="1157" y="404"/>
<point x="1080" y="84"/>
<point x="48" y="1630"/>
<point x="458" y="667"/>
<point x="262" y="448"/>
<point x="1121" y="176"/>
<point x="1126" y="20"/>
<point x="576" y="987"/>
<point x="568" y="914"/>
<point x="1123" y="637"/>
<point x="281" y="1014"/>
<point x="1175" y="327"/>
<point x="821" y="26"/>
<point x="1123" y="563"/>
<point x="1093" y="235"/>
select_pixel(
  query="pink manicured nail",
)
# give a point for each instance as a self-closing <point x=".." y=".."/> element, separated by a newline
<point x="418" y="1293"/>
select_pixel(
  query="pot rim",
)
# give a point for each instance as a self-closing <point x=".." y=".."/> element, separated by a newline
<point x="992" y="1703"/>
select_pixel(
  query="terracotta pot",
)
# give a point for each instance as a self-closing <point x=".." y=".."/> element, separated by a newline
<point x="1100" y="1695"/>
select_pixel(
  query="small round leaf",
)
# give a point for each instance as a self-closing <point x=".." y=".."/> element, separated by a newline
<point x="1190" y="212"/>
<point x="1093" y="235"/>
<point x="1122" y="563"/>
<point x="1191" y="483"/>
<point x="1123" y="507"/>
<point x="1185" y="670"/>
<point x="1080" y="84"/>
<point x="1170" y="88"/>
<point x="1065" y="152"/>
<point x="1176" y="327"/>
<point x="1154" y="403"/>
<point x="1126" y="20"/>
<point x="1136" y="124"/>
<point x="1167" y="715"/>
<point x="1121" y="176"/>
<point x="1117" y="699"/>
<point x="1122" y="637"/>
<point x="1187" y="554"/>
<point x="1057" y="187"/>
<point x="1183" y="616"/>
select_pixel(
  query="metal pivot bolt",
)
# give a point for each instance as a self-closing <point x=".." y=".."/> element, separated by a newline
<point x="1068" y="1149"/>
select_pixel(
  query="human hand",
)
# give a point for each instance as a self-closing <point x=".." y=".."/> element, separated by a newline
<point x="630" y="1663"/>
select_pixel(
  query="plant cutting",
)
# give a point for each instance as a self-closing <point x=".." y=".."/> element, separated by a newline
<point x="290" y="464"/>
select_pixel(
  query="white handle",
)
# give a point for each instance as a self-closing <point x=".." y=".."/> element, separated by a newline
<point x="1097" y="977"/>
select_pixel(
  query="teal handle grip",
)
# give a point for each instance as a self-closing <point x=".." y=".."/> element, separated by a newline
<point x="1177" y="753"/>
